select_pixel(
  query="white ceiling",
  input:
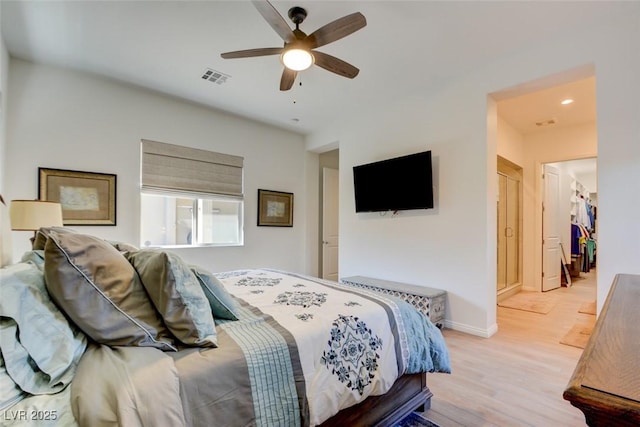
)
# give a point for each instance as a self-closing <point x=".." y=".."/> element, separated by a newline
<point x="406" y="48"/>
<point x="542" y="109"/>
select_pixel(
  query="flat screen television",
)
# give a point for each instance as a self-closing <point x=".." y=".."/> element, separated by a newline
<point x="401" y="183"/>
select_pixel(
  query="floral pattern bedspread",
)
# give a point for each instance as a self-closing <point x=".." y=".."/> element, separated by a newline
<point x="351" y="343"/>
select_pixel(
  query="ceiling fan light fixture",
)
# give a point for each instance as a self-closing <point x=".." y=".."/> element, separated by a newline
<point x="297" y="59"/>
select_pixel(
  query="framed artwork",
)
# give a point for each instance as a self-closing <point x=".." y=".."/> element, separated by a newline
<point x="87" y="198"/>
<point x="275" y="208"/>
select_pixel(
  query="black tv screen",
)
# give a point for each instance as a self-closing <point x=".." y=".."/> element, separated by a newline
<point x="400" y="183"/>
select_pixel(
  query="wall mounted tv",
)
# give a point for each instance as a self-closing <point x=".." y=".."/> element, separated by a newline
<point x="401" y="183"/>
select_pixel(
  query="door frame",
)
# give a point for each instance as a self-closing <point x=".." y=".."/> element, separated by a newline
<point x="536" y="260"/>
<point x="514" y="171"/>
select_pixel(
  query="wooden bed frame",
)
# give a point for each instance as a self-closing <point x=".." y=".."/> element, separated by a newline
<point x="408" y="393"/>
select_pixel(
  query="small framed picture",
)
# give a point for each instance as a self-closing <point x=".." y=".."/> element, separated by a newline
<point x="275" y="208"/>
<point x="87" y="198"/>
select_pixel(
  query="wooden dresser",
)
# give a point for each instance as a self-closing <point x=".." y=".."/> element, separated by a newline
<point x="606" y="382"/>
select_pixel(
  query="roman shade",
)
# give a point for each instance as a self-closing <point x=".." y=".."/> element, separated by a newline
<point x="174" y="167"/>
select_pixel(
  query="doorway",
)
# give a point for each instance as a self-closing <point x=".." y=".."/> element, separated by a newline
<point x="576" y="216"/>
<point x="553" y="221"/>
<point x="552" y="119"/>
<point x="509" y="229"/>
<point x="328" y="231"/>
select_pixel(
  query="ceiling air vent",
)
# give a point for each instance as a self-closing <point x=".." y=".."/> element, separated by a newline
<point x="215" y="76"/>
<point x="549" y="122"/>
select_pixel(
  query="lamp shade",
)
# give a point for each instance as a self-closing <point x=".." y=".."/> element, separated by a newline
<point x="30" y="215"/>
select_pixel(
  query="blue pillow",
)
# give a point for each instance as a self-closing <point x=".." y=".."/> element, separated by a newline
<point x="177" y="295"/>
<point x="223" y="306"/>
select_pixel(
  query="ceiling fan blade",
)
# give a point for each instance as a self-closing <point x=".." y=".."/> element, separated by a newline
<point x="335" y="65"/>
<point x="336" y="30"/>
<point x="273" y="18"/>
<point x="264" y="51"/>
<point x="288" y="77"/>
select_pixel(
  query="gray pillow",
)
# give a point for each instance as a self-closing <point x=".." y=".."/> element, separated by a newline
<point x="40" y="348"/>
<point x="177" y="295"/>
<point x="123" y="247"/>
<point x="223" y="306"/>
<point x="43" y="233"/>
<point x="101" y="292"/>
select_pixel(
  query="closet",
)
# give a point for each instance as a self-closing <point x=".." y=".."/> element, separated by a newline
<point x="583" y="228"/>
<point x="509" y="227"/>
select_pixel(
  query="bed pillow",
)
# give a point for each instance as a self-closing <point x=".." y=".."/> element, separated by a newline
<point x="222" y="304"/>
<point x="101" y="292"/>
<point x="177" y="295"/>
<point x="123" y="247"/>
<point x="43" y="233"/>
<point x="40" y="348"/>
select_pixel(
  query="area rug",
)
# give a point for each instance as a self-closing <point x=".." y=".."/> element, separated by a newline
<point x="535" y="302"/>
<point x="588" y="308"/>
<point x="414" y="419"/>
<point x="578" y="335"/>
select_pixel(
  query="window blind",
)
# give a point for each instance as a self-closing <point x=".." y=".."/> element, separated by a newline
<point x="174" y="167"/>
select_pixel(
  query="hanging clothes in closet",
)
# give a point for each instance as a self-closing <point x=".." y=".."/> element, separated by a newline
<point x="582" y="247"/>
<point x="591" y="214"/>
<point x="583" y="216"/>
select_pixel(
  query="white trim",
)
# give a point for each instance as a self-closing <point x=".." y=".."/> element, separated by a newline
<point x="461" y="327"/>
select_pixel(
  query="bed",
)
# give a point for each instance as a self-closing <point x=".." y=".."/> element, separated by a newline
<point x="102" y="333"/>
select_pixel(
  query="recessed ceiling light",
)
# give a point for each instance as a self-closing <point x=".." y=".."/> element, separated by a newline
<point x="567" y="101"/>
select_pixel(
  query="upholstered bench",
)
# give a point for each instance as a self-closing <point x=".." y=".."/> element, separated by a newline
<point x="429" y="301"/>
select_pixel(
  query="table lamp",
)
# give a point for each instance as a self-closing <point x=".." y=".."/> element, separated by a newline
<point x="30" y="215"/>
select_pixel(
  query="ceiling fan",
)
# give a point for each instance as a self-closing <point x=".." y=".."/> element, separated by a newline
<point x="298" y="52"/>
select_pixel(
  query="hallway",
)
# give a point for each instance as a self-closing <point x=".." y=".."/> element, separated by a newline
<point x="516" y="377"/>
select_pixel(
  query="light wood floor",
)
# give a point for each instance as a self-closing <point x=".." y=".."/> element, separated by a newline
<point x="516" y="377"/>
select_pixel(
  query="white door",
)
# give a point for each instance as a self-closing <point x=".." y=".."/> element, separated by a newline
<point x="330" y="192"/>
<point x="551" y="260"/>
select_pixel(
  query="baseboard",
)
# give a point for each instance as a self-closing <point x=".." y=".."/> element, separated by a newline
<point x="472" y="330"/>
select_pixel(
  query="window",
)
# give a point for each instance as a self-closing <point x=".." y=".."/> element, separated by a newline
<point x="190" y="197"/>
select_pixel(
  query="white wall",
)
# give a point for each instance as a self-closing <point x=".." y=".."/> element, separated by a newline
<point x="4" y="83"/>
<point x="612" y="48"/>
<point x="445" y="247"/>
<point x="453" y="246"/>
<point x="617" y="94"/>
<point x="510" y="143"/>
<point x="70" y="120"/>
<point x="5" y="233"/>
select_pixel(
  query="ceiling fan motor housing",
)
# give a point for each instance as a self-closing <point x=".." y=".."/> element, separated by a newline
<point x="297" y="14"/>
